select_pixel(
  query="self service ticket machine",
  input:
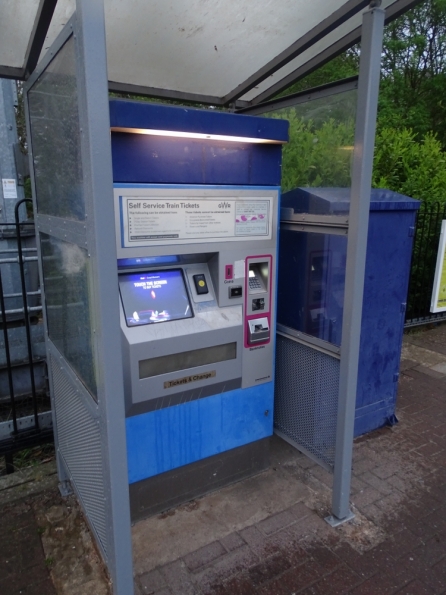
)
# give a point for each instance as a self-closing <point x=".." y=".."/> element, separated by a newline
<point x="196" y="208"/>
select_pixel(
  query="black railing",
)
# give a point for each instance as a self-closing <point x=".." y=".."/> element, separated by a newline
<point x="25" y="416"/>
<point x="424" y="258"/>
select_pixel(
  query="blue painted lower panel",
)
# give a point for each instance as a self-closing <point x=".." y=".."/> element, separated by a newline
<point x="162" y="440"/>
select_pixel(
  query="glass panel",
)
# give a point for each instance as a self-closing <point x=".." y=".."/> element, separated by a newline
<point x="55" y="132"/>
<point x="320" y="151"/>
<point x="311" y="283"/>
<point x="67" y="295"/>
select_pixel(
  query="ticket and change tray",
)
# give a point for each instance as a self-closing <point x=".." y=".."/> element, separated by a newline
<point x="196" y="232"/>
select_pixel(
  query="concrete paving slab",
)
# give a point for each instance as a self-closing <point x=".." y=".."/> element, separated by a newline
<point x="266" y="535"/>
<point x="421" y="355"/>
<point x="27" y="482"/>
<point x="435" y="343"/>
<point x="440" y="368"/>
<point x="213" y="517"/>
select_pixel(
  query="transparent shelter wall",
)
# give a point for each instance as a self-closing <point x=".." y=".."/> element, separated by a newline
<point x="55" y="131"/>
<point x="310" y="307"/>
<point x="67" y="289"/>
<point x="312" y="280"/>
<point x="56" y="143"/>
<point x="320" y="150"/>
<point x="312" y="256"/>
<point x="67" y="280"/>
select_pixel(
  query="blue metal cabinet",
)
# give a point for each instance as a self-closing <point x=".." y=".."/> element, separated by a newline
<point x="306" y="305"/>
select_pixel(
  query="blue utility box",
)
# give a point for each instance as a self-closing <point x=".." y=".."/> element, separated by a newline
<point x="311" y="287"/>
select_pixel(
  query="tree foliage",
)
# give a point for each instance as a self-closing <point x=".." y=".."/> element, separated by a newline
<point x="413" y="167"/>
<point x="413" y="82"/>
<point x="317" y="155"/>
<point x="343" y="66"/>
<point x="411" y="129"/>
<point x="321" y="156"/>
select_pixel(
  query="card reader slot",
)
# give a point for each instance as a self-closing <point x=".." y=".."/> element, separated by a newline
<point x="188" y="359"/>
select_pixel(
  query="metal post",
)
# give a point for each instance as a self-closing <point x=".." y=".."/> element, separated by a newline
<point x="8" y="199"/>
<point x="98" y="186"/>
<point x="8" y="138"/>
<point x="25" y="309"/>
<point x="368" y="85"/>
<point x="8" y="358"/>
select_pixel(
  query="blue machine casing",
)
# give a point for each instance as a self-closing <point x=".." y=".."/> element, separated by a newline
<point x="165" y="439"/>
<point x="389" y="249"/>
<point x="140" y="158"/>
<point x="175" y="436"/>
<point x="172" y="437"/>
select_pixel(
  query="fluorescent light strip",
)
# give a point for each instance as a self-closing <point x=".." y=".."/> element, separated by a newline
<point x="198" y="135"/>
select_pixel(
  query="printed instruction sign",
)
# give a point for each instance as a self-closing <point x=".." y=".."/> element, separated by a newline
<point x="438" y="302"/>
<point x="9" y="188"/>
<point x="149" y="220"/>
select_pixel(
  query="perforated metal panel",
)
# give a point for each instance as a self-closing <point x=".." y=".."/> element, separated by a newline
<point x="306" y="399"/>
<point x="79" y="443"/>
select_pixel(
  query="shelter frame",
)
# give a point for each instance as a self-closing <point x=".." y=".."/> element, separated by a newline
<point x="96" y="232"/>
<point x="357" y="225"/>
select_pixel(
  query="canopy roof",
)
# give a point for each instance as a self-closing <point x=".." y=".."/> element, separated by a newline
<point x="212" y="51"/>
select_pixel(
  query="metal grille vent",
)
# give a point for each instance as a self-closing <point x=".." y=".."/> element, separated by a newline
<point x="79" y="443"/>
<point x="306" y="399"/>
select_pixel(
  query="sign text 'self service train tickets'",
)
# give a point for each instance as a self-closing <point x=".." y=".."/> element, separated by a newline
<point x="149" y="220"/>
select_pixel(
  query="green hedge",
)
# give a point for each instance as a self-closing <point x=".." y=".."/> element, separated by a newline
<point x="416" y="168"/>
<point x="321" y="155"/>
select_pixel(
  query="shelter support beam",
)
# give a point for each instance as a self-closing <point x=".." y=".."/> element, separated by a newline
<point x="164" y="93"/>
<point x="317" y="62"/>
<point x="37" y="39"/>
<point x="320" y="92"/>
<point x="98" y="176"/>
<point x="368" y="85"/>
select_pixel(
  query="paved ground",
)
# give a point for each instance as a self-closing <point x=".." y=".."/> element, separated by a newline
<point x="266" y="536"/>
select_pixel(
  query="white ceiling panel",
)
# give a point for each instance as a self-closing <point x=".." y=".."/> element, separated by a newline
<point x="62" y="14"/>
<point x="203" y="46"/>
<point x="16" y="24"/>
<point x="195" y="47"/>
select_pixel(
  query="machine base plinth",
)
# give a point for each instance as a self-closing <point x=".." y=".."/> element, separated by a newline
<point x="161" y="492"/>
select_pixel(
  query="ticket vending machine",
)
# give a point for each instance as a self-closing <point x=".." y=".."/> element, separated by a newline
<point x="196" y="208"/>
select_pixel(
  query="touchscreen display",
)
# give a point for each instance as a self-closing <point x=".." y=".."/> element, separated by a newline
<point x="152" y="297"/>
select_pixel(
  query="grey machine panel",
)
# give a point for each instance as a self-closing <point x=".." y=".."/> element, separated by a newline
<point x="180" y="348"/>
<point x="149" y="226"/>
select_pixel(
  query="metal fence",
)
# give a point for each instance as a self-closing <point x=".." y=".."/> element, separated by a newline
<point x="424" y="258"/>
<point x="25" y="409"/>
